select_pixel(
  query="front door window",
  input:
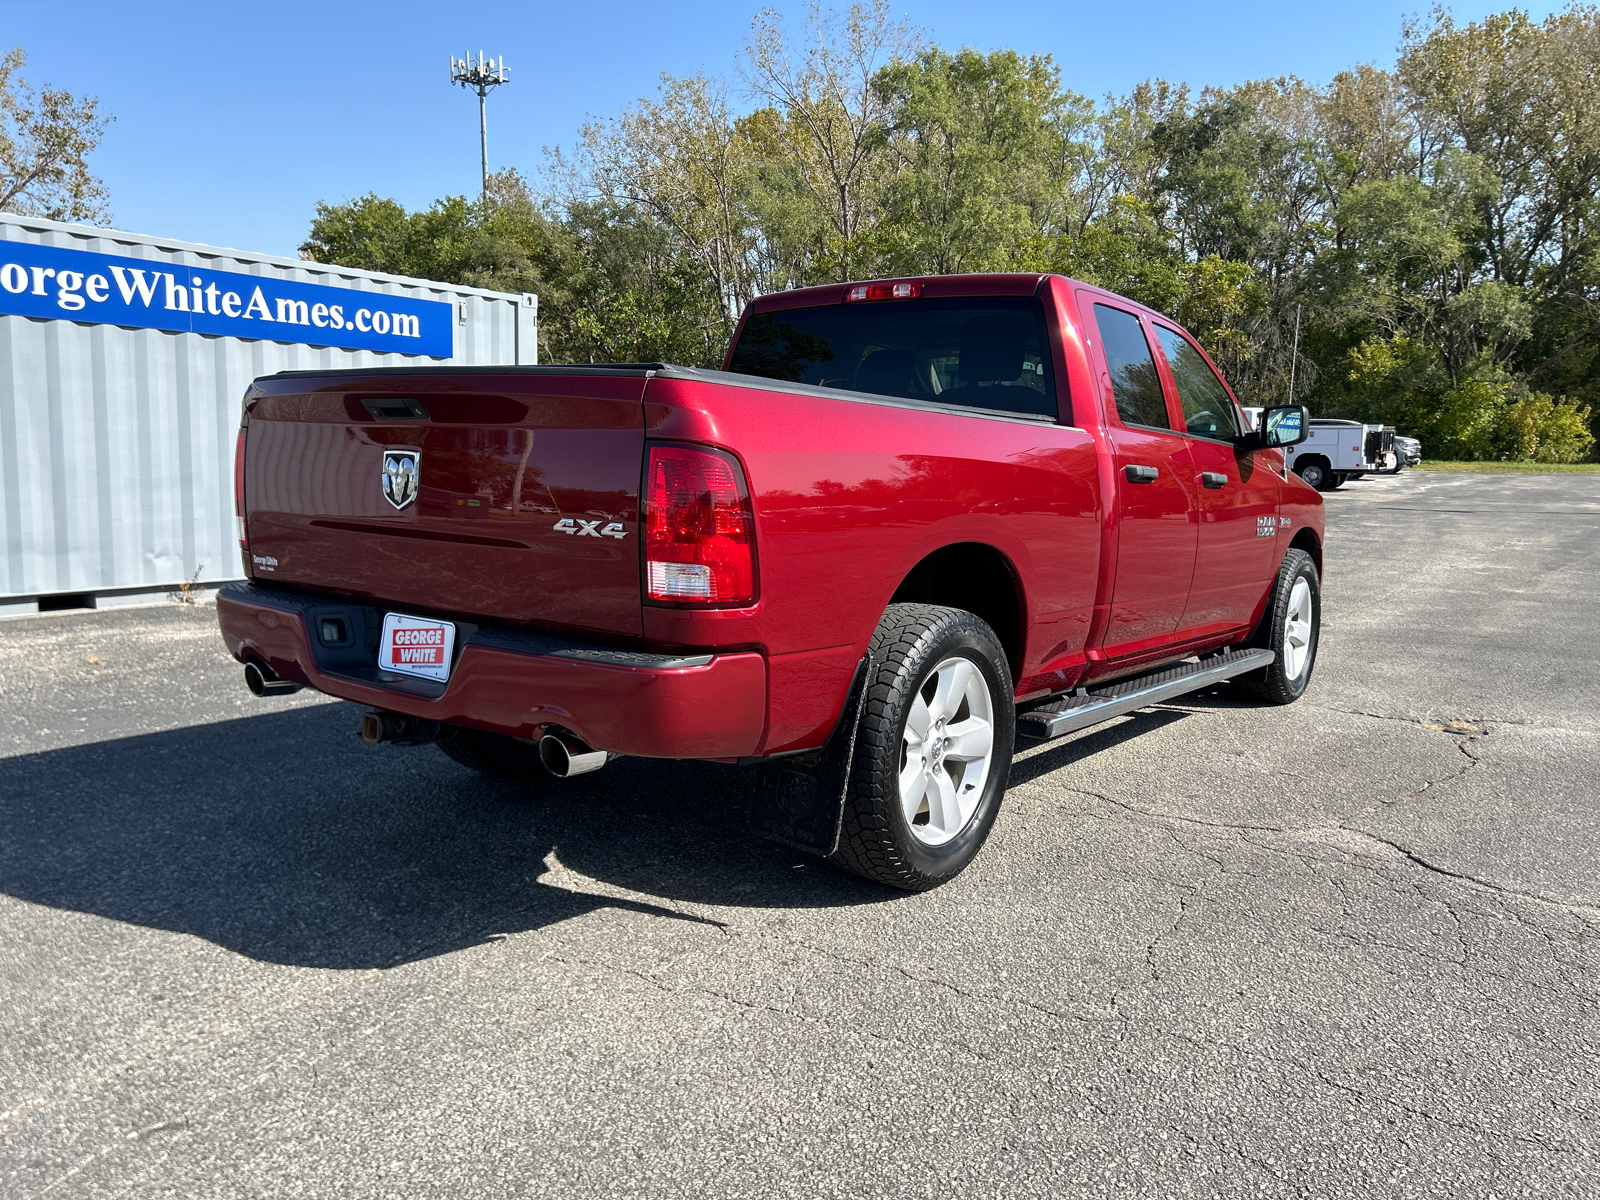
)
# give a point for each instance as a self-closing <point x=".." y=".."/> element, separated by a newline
<point x="1207" y="409"/>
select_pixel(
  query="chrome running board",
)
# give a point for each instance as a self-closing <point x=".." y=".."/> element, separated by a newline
<point x="1057" y="718"/>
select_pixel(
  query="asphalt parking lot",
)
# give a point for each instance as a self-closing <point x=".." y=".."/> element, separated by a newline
<point x="1344" y="948"/>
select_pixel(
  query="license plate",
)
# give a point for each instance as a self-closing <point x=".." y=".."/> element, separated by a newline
<point x="416" y="646"/>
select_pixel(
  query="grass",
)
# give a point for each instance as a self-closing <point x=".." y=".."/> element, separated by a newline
<point x="1513" y="468"/>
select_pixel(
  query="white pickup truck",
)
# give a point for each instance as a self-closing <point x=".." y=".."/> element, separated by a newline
<point x="1338" y="451"/>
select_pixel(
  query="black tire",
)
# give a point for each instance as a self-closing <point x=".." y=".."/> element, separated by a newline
<point x="1274" y="685"/>
<point x="876" y="840"/>
<point x="496" y="754"/>
<point x="1338" y="480"/>
<point x="1315" y="472"/>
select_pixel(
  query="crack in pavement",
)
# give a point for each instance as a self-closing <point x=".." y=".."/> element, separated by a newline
<point x="1165" y="816"/>
<point x="1472" y="965"/>
<point x="1485" y="722"/>
<point x="1468" y="738"/>
<point x="1327" y="834"/>
<point x="1128" y="1022"/>
<point x="1482" y="1131"/>
<point x="935" y="981"/>
<point x="1569" y="905"/>
<point x="1465" y="746"/>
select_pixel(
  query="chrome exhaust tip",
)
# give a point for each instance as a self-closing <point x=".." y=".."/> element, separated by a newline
<point x="263" y="681"/>
<point x="564" y="755"/>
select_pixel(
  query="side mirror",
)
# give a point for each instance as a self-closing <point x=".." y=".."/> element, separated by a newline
<point x="1285" y="425"/>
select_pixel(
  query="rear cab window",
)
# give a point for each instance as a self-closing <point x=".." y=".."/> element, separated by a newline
<point x="981" y="352"/>
<point x="1135" y="383"/>
<point x="1207" y="408"/>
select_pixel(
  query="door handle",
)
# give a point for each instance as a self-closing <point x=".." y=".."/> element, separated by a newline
<point x="1140" y="474"/>
<point x="1213" y="479"/>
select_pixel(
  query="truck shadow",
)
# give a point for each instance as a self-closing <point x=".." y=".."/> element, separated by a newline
<point x="285" y="838"/>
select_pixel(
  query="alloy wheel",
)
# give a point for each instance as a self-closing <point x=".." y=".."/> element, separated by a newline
<point x="1297" y="630"/>
<point x="946" y="751"/>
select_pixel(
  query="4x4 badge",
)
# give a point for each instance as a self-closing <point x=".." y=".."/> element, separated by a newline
<point x="400" y="471"/>
<point x="581" y="528"/>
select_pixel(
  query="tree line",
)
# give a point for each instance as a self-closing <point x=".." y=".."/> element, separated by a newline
<point x="1417" y="244"/>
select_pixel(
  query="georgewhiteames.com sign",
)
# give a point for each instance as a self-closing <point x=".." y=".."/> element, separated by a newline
<point x="80" y="285"/>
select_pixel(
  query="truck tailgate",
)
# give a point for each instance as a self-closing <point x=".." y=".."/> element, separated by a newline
<point x="525" y="506"/>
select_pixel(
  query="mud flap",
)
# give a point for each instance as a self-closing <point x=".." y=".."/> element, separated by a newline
<point x="799" y="800"/>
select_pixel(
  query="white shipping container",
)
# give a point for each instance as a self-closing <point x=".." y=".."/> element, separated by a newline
<point x="116" y="442"/>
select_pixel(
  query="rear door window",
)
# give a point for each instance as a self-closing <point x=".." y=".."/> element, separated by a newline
<point x="990" y="353"/>
<point x="1207" y="410"/>
<point x="1134" y="382"/>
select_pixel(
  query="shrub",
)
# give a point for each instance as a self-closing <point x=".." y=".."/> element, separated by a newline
<point x="1470" y="419"/>
<point x="1538" y="428"/>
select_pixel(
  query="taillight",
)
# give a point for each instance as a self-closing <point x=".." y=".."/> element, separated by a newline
<point x="238" y="496"/>
<point x="699" y="534"/>
<point x="884" y="291"/>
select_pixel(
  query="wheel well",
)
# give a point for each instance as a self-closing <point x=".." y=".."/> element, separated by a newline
<point x="1306" y="459"/>
<point x="1307" y="540"/>
<point x="976" y="578"/>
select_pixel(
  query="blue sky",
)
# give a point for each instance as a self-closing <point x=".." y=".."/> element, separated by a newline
<point x="234" y="120"/>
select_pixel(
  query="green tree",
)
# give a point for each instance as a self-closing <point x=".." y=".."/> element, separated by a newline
<point x="1518" y="97"/>
<point x="685" y="164"/>
<point x="987" y="148"/>
<point x="611" y="288"/>
<point x="627" y="296"/>
<point x="46" y="137"/>
<point x="831" y="152"/>
<point x="500" y="245"/>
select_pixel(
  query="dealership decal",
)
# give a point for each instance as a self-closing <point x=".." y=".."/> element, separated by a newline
<point x="104" y="289"/>
<point x="416" y="646"/>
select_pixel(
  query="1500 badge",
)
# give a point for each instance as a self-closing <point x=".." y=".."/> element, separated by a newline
<point x="580" y="528"/>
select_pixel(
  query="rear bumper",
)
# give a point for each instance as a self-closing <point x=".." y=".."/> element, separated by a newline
<point x="653" y="705"/>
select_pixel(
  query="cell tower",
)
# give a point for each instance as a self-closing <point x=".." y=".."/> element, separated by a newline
<point x="479" y="77"/>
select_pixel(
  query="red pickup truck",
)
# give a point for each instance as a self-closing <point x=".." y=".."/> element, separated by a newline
<point x="910" y="520"/>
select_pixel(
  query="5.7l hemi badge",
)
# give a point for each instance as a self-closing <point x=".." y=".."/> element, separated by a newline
<point x="401" y="469"/>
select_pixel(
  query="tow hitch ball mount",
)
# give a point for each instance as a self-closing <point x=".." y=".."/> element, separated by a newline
<point x="398" y="729"/>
